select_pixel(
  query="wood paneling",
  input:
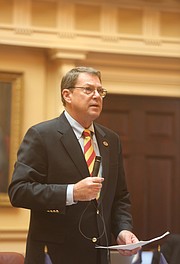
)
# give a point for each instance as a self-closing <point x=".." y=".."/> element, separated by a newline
<point x="149" y="128"/>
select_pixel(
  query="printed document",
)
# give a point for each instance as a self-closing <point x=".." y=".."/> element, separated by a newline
<point x="134" y="245"/>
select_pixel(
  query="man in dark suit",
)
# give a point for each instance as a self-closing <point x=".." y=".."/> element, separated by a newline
<point x="71" y="211"/>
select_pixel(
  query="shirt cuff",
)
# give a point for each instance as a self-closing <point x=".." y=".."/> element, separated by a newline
<point x="69" y="195"/>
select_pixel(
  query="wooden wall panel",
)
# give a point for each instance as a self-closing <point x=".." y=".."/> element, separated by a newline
<point x="160" y="124"/>
<point x="149" y="128"/>
<point x="158" y="192"/>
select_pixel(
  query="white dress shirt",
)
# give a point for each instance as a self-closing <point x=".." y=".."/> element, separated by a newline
<point x="78" y="130"/>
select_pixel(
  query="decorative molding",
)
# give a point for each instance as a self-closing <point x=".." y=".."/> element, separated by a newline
<point x="163" y="4"/>
<point x="107" y="38"/>
<point x="66" y="34"/>
<point x="152" y="41"/>
<point x="67" y="54"/>
<point x="90" y="41"/>
<point x="110" y="38"/>
<point x="23" y="30"/>
<point x="12" y="235"/>
<point x="13" y="240"/>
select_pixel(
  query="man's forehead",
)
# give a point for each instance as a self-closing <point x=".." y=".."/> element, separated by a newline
<point x="88" y="77"/>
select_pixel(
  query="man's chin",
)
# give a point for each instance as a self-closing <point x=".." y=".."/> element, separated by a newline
<point x="95" y="114"/>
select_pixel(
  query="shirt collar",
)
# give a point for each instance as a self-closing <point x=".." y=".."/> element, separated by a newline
<point x="77" y="128"/>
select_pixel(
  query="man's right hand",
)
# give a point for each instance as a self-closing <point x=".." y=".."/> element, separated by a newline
<point x="87" y="189"/>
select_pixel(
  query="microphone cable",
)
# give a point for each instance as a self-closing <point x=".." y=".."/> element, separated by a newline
<point x="104" y="231"/>
<point x="93" y="239"/>
<point x="106" y="238"/>
<point x="95" y="172"/>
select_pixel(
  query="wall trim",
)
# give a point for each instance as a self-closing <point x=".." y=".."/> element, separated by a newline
<point x="13" y="235"/>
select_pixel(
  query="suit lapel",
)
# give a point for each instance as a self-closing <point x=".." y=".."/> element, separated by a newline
<point x="74" y="150"/>
<point x="72" y="146"/>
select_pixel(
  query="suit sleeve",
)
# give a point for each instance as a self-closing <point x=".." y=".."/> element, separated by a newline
<point x="29" y="187"/>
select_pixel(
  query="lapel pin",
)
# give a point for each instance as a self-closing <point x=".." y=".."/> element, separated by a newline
<point x="105" y="143"/>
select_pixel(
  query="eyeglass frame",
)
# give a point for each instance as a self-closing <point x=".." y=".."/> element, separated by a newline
<point x="90" y="91"/>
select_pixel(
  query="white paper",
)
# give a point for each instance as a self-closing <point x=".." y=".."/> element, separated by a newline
<point x="134" y="245"/>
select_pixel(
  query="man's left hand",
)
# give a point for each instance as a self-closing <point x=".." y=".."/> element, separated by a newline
<point x="127" y="237"/>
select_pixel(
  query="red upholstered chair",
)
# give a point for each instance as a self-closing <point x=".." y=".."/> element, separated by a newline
<point x="11" y="258"/>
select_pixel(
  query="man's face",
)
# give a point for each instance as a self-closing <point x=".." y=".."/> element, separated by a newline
<point x="83" y="107"/>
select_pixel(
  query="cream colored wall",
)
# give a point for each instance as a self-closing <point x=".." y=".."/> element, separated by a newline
<point x="32" y="64"/>
<point x="141" y="60"/>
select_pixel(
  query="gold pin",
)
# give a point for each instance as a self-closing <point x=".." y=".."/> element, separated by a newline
<point x="105" y="143"/>
<point x="45" y="249"/>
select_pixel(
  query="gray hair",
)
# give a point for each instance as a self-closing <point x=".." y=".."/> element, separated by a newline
<point x="70" y="78"/>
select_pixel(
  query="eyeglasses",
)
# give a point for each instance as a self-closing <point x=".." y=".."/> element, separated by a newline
<point x="90" y="90"/>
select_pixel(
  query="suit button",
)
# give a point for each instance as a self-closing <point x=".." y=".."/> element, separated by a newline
<point x="97" y="211"/>
<point x="94" y="239"/>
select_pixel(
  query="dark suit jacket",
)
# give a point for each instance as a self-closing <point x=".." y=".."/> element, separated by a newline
<point x="49" y="159"/>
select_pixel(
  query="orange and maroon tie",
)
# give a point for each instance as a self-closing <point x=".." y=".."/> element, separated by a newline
<point x="89" y="152"/>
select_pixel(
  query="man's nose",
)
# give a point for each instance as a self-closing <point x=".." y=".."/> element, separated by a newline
<point x="96" y="93"/>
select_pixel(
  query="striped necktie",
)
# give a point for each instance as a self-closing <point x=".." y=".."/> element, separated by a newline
<point x="89" y="152"/>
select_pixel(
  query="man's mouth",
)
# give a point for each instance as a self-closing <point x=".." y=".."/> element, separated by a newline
<point x="94" y="105"/>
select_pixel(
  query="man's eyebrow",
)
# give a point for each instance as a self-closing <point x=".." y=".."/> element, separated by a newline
<point x="89" y="84"/>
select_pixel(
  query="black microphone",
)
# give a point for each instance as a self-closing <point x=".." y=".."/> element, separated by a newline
<point x="96" y="166"/>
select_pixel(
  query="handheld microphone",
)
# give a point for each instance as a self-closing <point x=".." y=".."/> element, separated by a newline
<point x="96" y="166"/>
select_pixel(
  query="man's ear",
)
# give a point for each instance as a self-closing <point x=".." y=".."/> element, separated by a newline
<point x="66" y="93"/>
